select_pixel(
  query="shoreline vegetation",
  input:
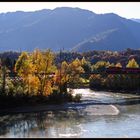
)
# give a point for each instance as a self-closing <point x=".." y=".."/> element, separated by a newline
<point x="137" y="92"/>
<point x="34" y="79"/>
<point x="97" y="108"/>
<point x="27" y="104"/>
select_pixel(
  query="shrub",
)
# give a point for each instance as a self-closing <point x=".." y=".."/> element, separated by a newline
<point x="77" y="98"/>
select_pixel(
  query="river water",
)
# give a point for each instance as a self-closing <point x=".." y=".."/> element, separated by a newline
<point x="78" y="123"/>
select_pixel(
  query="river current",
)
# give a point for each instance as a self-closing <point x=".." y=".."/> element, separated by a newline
<point x="79" y="123"/>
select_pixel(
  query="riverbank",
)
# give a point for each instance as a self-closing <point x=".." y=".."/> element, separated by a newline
<point x="90" y="109"/>
<point x="39" y="104"/>
<point x="86" y="119"/>
<point x="137" y="92"/>
<point x="10" y="102"/>
<point x="87" y="86"/>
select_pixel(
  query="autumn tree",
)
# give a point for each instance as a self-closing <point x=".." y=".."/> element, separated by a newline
<point x="25" y="69"/>
<point x="100" y="66"/>
<point x="95" y="81"/>
<point x="36" y="69"/>
<point x="132" y="64"/>
<point x="74" y="71"/>
<point x="62" y="76"/>
<point x="112" y="65"/>
<point x="133" y="81"/>
<point x="44" y="66"/>
<point x="118" y="65"/>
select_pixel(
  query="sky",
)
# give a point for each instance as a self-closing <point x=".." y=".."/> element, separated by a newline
<point x="124" y="9"/>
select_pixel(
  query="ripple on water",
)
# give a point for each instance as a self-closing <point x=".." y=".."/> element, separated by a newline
<point x="86" y="121"/>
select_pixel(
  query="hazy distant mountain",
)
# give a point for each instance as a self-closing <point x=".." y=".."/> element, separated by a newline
<point x="68" y="28"/>
<point x="134" y="19"/>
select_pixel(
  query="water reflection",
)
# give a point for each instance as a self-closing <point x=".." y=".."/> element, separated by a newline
<point x="75" y="123"/>
<point x="44" y="124"/>
<point x="66" y="124"/>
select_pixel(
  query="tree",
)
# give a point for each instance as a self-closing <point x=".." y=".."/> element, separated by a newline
<point x="4" y="72"/>
<point x="23" y="65"/>
<point x="132" y="64"/>
<point x="118" y="65"/>
<point x="83" y="61"/>
<point x="36" y="69"/>
<point x="95" y="81"/>
<point x="3" y="79"/>
<point x="44" y="67"/>
<point x="112" y="65"/>
<point x="63" y="76"/>
<point x="25" y="68"/>
<point x="74" y="71"/>
<point x="34" y="84"/>
<point x="100" y="66"/>
<point x="86" y="65"/>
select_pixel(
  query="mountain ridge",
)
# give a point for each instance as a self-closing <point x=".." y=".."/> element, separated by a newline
<point x="136" y="20"/>
<point x="65" y="27"/>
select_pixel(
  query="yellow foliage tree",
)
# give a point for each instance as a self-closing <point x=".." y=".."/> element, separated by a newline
<point x="35" y="69"/>
<point x="33" y="84"/>
<point x="83" y="61"/>
<point x="132" y="64"/>
<point x="118" y="65"/>
<point x="75" y="69"/>
<point x="25" y="69"/>
<point x="48" y="88"/>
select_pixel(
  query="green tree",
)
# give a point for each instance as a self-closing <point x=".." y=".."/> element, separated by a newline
<point x="86" y="65"/>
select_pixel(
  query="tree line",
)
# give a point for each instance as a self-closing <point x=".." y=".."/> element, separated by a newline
<point x="37" y="74"/>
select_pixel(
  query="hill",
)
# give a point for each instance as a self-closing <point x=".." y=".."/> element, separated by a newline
<point x="69" y="28"/>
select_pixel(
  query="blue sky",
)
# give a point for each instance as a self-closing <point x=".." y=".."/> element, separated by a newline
<point x="124" y="9"/>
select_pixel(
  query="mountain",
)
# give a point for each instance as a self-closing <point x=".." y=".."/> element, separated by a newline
<point x="69" y="28"/>
<point x="134" y="19"/>
<point x="120" y="34"/>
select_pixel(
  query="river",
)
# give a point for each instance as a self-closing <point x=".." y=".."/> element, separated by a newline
<point x="82" y="122"/>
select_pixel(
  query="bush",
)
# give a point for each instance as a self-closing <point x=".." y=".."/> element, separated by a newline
<point x="57" y="97"/>
<point x="77" y="98"/>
